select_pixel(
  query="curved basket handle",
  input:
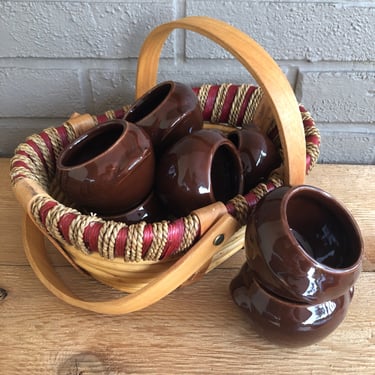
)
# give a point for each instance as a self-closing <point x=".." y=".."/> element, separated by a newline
<point x="165" y="283"/>
<point x="258" y="62"/>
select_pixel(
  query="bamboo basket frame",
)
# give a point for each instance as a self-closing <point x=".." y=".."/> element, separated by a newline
<point x="218" y="229"/>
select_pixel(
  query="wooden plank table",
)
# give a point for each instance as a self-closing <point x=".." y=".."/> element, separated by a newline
<point x="196" y="329"/>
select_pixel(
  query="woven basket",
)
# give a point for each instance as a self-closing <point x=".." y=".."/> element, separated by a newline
<point x="151" y="260"/>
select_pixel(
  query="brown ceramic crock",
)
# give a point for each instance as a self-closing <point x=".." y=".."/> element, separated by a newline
<point x="284" y="322"/>
<point x="167" y="112"/>
<point x="150" y="210"/>
<point x="303" y="245"/>
<point x="258" y="154"/>
<point x="109" y="169"/>
<point x="201" y="168"/>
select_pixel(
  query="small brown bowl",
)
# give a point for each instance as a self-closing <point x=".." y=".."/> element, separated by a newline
<point x="167" y="112"/>
<point x="199" y="169"/>
<point x="303" y="245"/>
<point x="109" y="169"/>
<point x="258" y="154"/>
<point x="285" y="322"/>
<point x="150" y="210"/>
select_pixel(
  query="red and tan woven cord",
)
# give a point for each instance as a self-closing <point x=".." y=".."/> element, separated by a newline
<point x="35" y="159"/>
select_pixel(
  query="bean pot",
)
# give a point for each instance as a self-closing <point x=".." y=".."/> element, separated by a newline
<point x="109" y="169"/>
<point x="303" y="245"/>
<point x="285" y="322"/>
<point x="258" y="154"/>
<point x="201" y="168"/>
<point x="150" y="210"/>
<point x="167" y="112"/>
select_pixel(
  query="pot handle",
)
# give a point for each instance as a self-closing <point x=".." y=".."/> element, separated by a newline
<point x="278" y="92"/>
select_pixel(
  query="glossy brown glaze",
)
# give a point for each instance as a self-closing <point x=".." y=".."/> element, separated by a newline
<point x="167" y="112"/>
<point x="284" y="322"/>
<point x="303" y="245"/>
<point x="109" y="169"/>
<point x="258" y="154"/>
<point x="200" y="169"/>
<point x="150" y="210"/>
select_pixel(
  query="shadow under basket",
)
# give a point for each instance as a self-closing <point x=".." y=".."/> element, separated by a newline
<point x="151" y="260"/>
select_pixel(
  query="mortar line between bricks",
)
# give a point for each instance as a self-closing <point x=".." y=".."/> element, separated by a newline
<point x="180" y="35"/>
<point x="130" y="63"/>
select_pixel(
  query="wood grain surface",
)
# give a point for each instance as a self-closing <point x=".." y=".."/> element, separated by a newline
<point x="195" y="330"/>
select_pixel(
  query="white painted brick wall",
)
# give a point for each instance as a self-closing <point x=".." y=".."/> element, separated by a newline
<point x="24" y="91"/>
<point x="58" y="56"/>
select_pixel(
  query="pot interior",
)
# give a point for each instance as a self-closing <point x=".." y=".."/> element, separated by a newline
<point x="225" y="174"/>
<point x="148" y="103"/>
<point x="92" y="144"/>
<point x="323" y="229"/>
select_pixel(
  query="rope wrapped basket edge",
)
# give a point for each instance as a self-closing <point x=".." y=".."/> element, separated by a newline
<point x="35" y="159"/>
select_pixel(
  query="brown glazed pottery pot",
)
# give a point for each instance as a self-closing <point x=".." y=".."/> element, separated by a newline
<point x="150" y="210"/>
<point x="201" y="168"/>
<point x="303" y="245"/>
<point x="284" y="322"/>
<point x="258" y="154"/>
<point x="109" y="169"/>
<point x="167" y="112"/>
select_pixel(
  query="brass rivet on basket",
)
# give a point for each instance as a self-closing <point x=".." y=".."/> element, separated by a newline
<point x="218" y="239"/>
